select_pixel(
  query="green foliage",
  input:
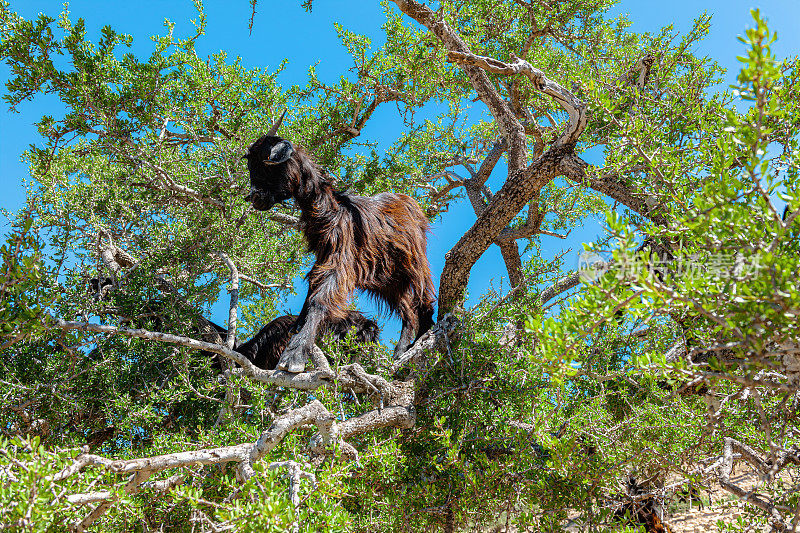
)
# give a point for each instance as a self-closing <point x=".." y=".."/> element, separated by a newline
<point x="22" y="304"/>
<point x="536" y="408"/>
<point x="30" y="500"/>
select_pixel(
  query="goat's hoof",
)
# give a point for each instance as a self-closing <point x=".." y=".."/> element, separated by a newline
<point x="292" y="360"/>
<point x="293" y="367"/>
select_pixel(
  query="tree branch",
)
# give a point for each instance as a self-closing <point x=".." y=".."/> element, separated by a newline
<point x="522" y="183"/>
<point x="763" y="467"/>
<point x="576" y="109"/>
<point x="486" y="90"/>
<point x="509" y="200"/>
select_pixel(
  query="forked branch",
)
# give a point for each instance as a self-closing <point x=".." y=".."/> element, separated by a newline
<point x="576" y="109"/>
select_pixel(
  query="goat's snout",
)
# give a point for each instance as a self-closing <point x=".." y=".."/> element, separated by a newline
<point x="261" y="200"/>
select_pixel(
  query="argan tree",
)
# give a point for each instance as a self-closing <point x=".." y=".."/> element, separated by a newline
<point x="673" y="358"/>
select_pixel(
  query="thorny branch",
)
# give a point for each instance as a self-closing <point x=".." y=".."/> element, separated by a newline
<point x="767" y="468"/>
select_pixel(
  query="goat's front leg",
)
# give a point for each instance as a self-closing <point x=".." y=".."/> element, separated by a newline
<point x="321" y="289"/>
<point x="294" y="357"/>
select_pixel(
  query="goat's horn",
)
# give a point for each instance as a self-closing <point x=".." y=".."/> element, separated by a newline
<point x="274" y="129"/>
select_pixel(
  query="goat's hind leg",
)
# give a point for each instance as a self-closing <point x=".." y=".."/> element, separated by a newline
<point x="416" y="322"/>
<point x="406" y="339"/>
<point x="425" y="314"/>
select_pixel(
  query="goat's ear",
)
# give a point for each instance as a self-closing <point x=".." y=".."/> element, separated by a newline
<point x="280" y="153"/>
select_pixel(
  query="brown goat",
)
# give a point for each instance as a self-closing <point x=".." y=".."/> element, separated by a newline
<point x="374" y="243"/>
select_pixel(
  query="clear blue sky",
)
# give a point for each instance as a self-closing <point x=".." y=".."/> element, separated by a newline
<point x="283" y="29"/>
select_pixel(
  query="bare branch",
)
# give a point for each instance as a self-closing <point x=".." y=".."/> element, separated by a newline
<point x="303" y="381"/>
<point x="566" y="283"/>
<point x="131" y="487"/>
<point x="83" y="460"/>
<point x="231" y="392"/>
<point x="436" y="340"/>
<point x="763" y="467"/>
<point x="571" y="104"/>
<point x="312" y="413"/>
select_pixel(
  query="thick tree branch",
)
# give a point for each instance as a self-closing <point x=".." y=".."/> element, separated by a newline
<point x="231" y="392"/>
<point x="764" y="468"/>
<point x="230" y="341"/>
<point x="281" y="218"/>
<point x="509" y="200"/>
<point x="350" y="377"/>
<point x="312" y="413"/>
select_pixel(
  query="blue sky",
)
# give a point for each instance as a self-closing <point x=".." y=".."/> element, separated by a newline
<point x="283" y="30"/>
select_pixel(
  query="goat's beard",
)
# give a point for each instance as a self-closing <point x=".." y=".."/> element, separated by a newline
<point x="261" y="200"/>
<point x="260" y="204"/>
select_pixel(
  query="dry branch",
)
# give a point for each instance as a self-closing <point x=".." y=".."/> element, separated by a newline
<point x="303" y="381"/>
<point x="329" y="432"/>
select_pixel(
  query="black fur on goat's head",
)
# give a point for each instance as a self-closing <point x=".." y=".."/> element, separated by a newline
<point x="273" y="174"/>
<point x="364" y="329"/>
<point x="368" y="332"/>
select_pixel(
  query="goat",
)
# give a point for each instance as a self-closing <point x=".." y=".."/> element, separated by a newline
<point x="265" y="348"/>
<point x="373" y="243"/>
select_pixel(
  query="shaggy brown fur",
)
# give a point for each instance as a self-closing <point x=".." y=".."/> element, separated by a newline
<point x="374" y="243"/>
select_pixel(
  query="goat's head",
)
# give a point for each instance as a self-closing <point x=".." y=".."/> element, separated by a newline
<point x="368" y="331"/>
<point x="270" y="179"/>
<point x="268" y="163"/>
